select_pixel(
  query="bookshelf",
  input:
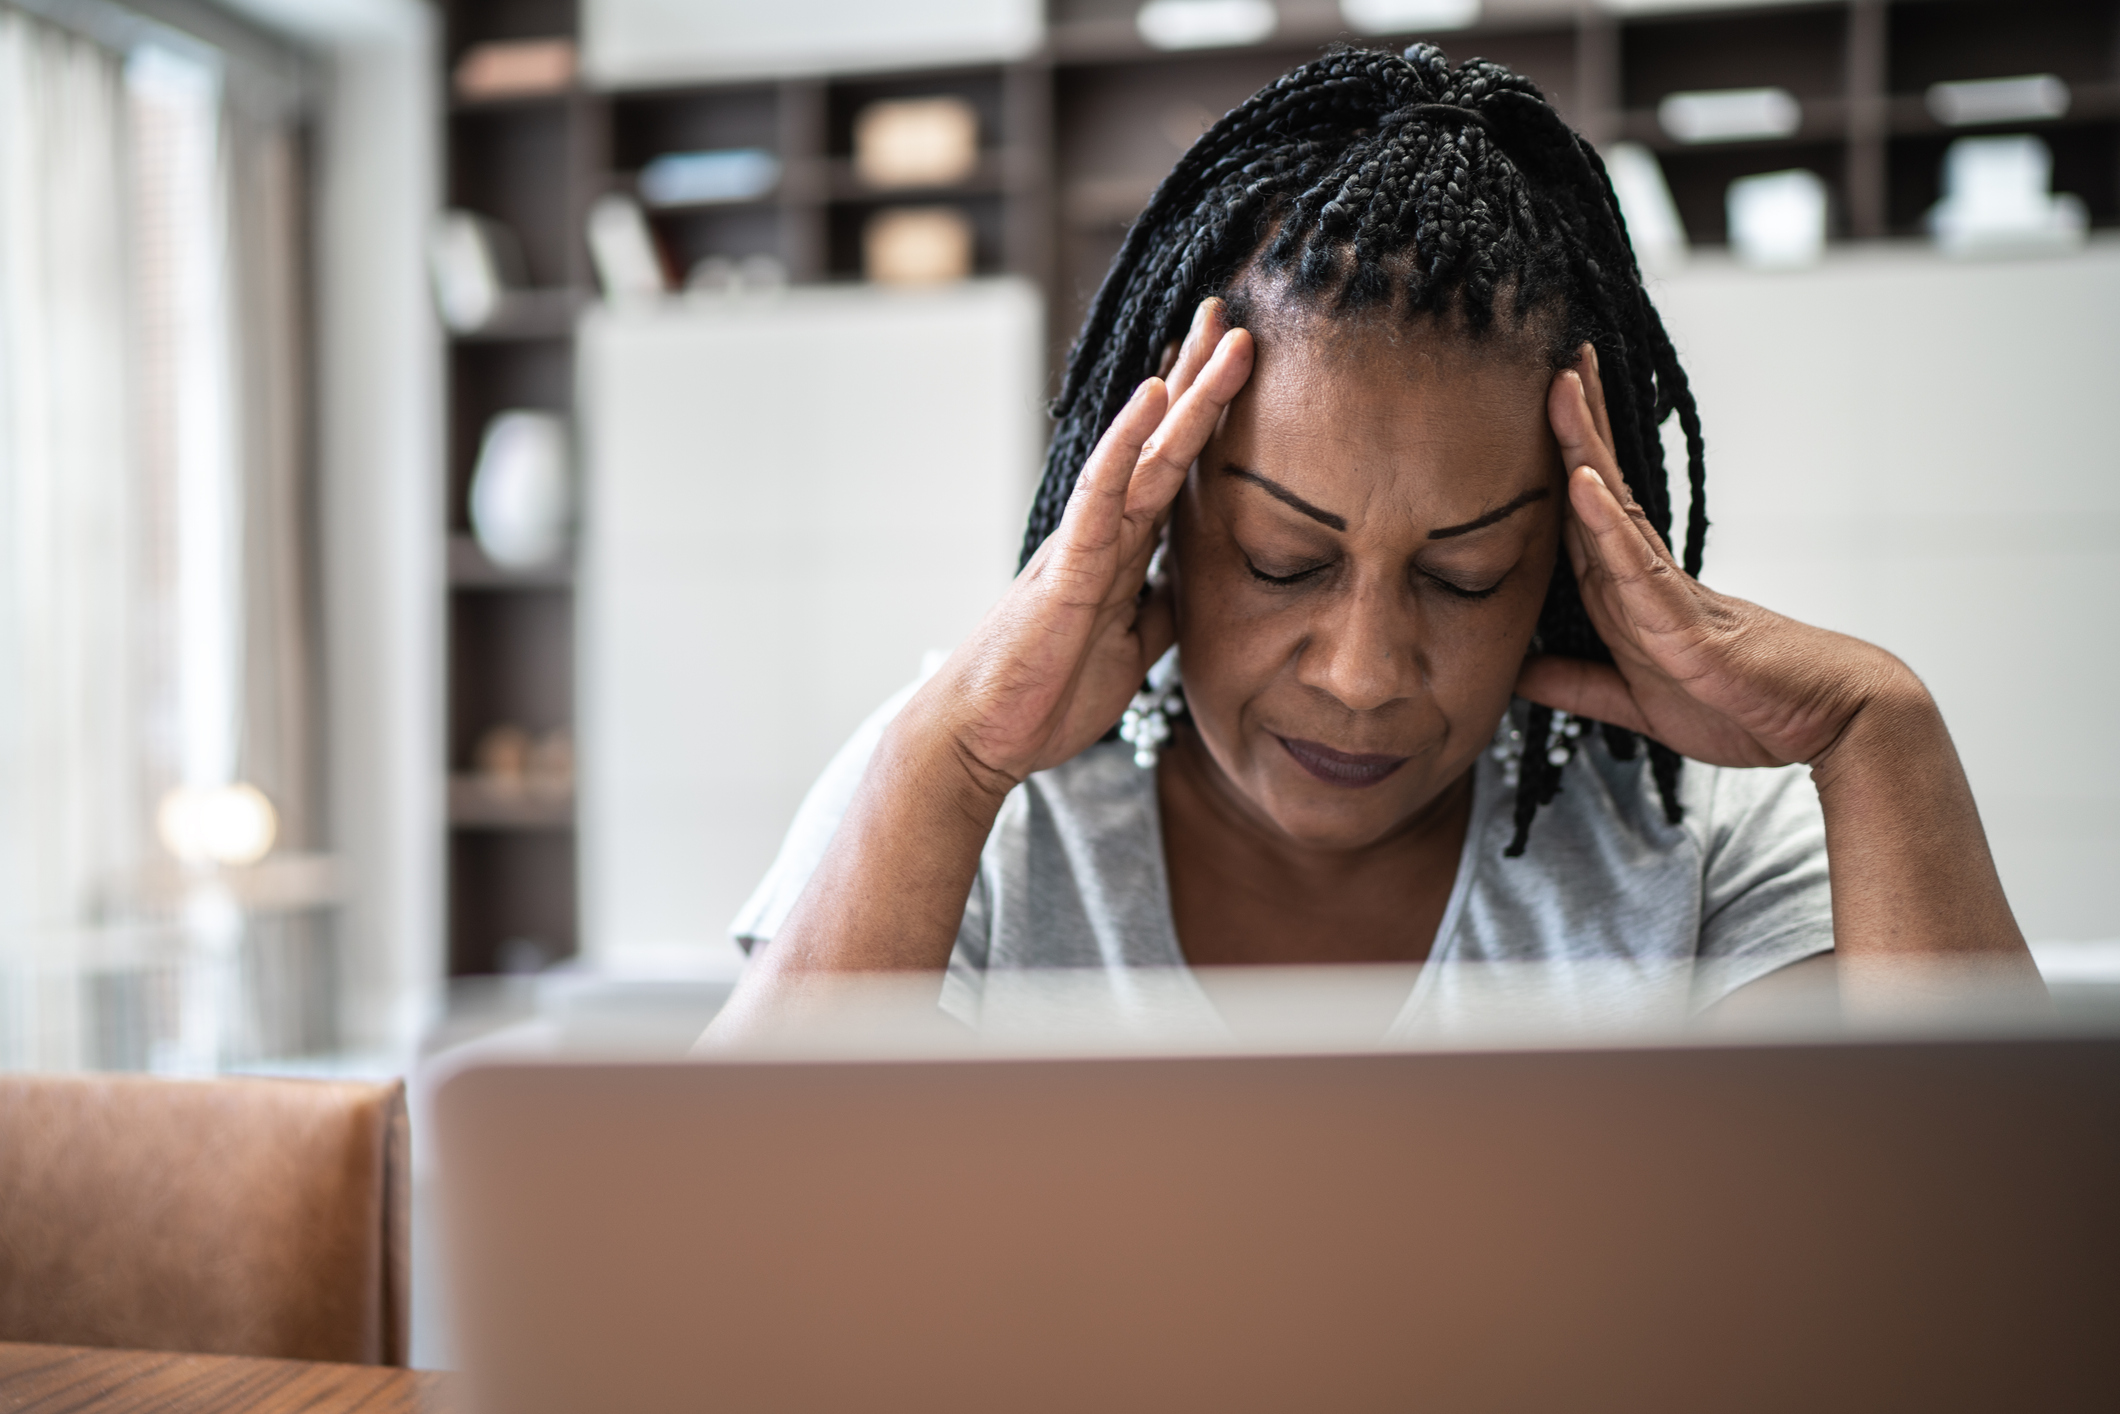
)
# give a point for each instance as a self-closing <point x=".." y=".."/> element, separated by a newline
<point x="1072" y="141"/>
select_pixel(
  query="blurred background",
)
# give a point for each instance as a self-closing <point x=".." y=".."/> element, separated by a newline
<point x="464" y="468"/>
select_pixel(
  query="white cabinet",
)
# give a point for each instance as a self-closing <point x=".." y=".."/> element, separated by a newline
<point x="1919" y="452"/>
<point x="629" y="43"/>
<point x="788" y="501"/>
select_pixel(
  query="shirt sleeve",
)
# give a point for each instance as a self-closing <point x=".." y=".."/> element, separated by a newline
<point x="1766" y="897"/>
<point x="964" y="980"/>
<point x="804" y="846"/>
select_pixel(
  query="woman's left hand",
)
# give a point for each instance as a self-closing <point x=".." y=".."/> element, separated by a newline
<point x="1715" y="678"/>
<point x="1729" y="683"/>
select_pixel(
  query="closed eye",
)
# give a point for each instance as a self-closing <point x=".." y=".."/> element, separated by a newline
<point x="1284" y="580"/>
<point x="1460" y="591"/>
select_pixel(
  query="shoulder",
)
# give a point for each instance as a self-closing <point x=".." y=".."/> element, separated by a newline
<point x="1607" y="874"/>
<point x="1616" y="802"/>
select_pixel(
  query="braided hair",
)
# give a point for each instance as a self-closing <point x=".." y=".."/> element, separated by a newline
<point x="1366" y="180"/>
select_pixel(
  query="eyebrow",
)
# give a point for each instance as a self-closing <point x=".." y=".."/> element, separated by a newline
<point x="1536" y="493"/>
<point x="1324" y="517"/>
<point x="1289" y="498"/>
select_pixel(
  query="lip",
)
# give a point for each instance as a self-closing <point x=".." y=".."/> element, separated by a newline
<point x="1341" y="768"/>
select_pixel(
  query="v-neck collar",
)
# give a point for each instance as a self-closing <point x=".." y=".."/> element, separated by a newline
<point x="1168" y="952"/>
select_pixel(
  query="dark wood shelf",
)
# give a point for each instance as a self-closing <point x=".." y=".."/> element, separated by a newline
<point x="1908" y="113"/>
<point x="1097" y="203"/>
<point x="477" y="803"/>
<point x="1905" y="115"/>
<point x="835" y="180"/>
<point x="1305" y="27"/>
<point x="470" y="569"/>
<point x="518" y="102"/>
<point x="530" y="314"/>
<point x="1823" y="120"/>
<point x="766" y="202"/>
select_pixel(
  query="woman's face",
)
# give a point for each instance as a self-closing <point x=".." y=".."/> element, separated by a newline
<point x="1359" y="559"/>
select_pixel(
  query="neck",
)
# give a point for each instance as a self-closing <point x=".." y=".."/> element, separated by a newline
<point x="1242" y="891"/>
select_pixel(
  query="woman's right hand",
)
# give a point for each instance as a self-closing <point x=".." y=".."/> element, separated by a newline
<point x="1053" y="664"/>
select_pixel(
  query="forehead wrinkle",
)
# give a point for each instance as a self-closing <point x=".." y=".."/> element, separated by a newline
<point x="1439" y="444"/>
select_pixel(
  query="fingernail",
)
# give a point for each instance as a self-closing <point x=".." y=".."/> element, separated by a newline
<point x="1140" y="392"/>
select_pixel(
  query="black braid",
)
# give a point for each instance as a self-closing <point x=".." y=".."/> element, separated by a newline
<point x="1368" y="180"/>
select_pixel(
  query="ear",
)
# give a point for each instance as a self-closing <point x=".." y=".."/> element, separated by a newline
<point x="1168" y="361"/>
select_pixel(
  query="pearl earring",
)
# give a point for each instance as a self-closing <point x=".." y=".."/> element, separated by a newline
<point x="1563" y="739"/>
<point x="1146" y="725"/>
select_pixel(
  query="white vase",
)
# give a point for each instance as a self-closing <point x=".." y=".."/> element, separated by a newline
<point x="522" y="493"/>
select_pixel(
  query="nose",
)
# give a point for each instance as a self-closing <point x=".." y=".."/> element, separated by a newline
<point x="1363" y="651"/>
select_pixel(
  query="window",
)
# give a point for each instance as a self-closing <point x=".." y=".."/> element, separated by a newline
<point x="162" y="896"/>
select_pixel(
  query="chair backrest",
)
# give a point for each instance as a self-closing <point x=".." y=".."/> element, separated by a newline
<point x="232" y="1217"/>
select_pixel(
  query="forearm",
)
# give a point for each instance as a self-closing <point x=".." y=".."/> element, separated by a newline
<point x="1911" y="871"/>
<point x="890" y="892"/>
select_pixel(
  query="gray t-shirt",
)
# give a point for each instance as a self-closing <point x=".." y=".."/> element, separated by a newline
<point x="1608" y="897"/>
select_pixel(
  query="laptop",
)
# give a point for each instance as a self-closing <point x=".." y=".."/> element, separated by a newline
<point x="1919" y="1224"/>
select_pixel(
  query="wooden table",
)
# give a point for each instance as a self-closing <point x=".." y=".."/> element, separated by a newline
<point x="65" y="1379"/>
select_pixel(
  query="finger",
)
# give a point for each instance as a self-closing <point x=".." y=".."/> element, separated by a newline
<point x="1579" y="556"/>
<point x="1098" y="503"/>
<point x="1210" y="323"/>
<point x="1167" y="456"/>
<point x="1136" y="550"/>
<point x="1594" y="391"/>
<point x="1593" y="690"/>
<point x="1625" y="552"/>
<point x="1601" y="601"/>
<point x="1576" y="428"/>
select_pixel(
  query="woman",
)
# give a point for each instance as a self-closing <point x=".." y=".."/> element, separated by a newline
<point x="1375" y="370"/>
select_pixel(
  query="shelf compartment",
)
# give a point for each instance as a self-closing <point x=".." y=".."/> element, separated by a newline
<point x="1799" y="48"/>
<point x="689" y="234"/>
<point x="980" y="88"/>
<point x="469" y="22"/>
<point x="1700" y="179"/>
<point x="487" y="376"/>
<point x="511" y="887"/>
<point x="1134" y="124"/>
<point x="2086" y="162"/>
<point x="847" y="219"/>
<point x="1945" y="40"/>
<point x="645" y="126"/>
<point x="510" y="164"/>
<point x="511" y="660"/>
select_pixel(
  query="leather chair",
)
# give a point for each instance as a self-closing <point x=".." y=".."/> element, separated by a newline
<point x="230" y="1217"/>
